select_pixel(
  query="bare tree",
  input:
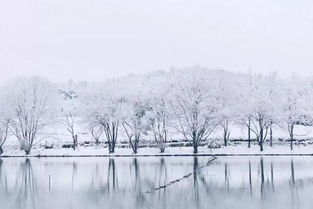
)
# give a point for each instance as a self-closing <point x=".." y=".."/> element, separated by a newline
<point x="109" y="117"/>
<point x="226" y="95"/>
<point x="226" y="131"/>
<point x="262" y="108"/>
<point x="160" y="122"/>
<point x="259" y="126"/>
<point x="259" y="107"/>
<point x="110" y="128"/>
<point x="136" y="123"/>
<point x="296" y="109"/>
<point x="69" y="118"/>
<point x="194" y="109"/>
<point x="96" y="132"/>
<point x="103" y="105"/>
<point x="29" y="102"/>
<point x="70" y="111"/>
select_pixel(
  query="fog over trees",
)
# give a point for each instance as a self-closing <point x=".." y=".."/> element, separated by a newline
<point x="188" y="104"/>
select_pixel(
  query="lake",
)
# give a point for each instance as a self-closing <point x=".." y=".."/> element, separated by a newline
<point x="156" y="182"/>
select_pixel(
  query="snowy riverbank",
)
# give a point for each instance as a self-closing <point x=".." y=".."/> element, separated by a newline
<point x="170" y="151"/>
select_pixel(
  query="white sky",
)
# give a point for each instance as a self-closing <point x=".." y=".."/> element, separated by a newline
<point x="97" y="39"/>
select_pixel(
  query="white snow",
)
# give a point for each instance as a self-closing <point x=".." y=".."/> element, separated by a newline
<point x="229" y="150"/>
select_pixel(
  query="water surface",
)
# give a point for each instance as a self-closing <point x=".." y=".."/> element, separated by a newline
<point x="107" y="183"/>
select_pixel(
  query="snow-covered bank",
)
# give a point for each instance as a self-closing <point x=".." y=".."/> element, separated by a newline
<point x="170" y="151"/>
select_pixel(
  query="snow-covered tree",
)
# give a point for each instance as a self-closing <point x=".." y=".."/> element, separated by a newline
<point x="161" y="113"/>
<point x="296" y="106"/>
<point x="136" y="121"/>
<point x="29" y="99"/>
<point x="194" y="106"/>
<point x="275" y="87"/>
<point x="69" y="114"/>
<point x="262" y="108"/>
<point x="89" y="101"/>
<point x="244" y="104"/>
<point x="227" y="102"/>
<point x="104" y="104"/>
<point x="160" y="119"/>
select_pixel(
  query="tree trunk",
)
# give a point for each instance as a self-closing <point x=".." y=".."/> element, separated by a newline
<point x="111" y="147"/>
<point x="27" y="151"/>
<point x="226" y="137"/>
<point x="249" y="133"/>
<point x="261" y="135"/>
<point x="162" y="149"/>
<point x="291" y="136"/>
<point x="194" y="142"/>
<point x="261" y="140"/>
<point x="74" y="141"/>
<point x="111" y="136"/>
<point x="226" y="133"/>
<point x="261" y="146"/>
<point x="195" y="148"/>
<point x="134" y="145"/>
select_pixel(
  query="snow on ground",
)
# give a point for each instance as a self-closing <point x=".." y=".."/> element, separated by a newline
<point x="230" y="150"/>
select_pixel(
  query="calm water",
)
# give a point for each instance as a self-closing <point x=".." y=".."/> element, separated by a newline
<point x="88" y="183"/>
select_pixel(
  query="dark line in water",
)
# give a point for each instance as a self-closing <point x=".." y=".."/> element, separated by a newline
<point x="184" y="177"/>
<point x="149" y="155"/>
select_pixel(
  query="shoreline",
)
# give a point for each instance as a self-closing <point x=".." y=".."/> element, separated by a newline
<point x="239" y="150"/>
<point x="156" y="155"/>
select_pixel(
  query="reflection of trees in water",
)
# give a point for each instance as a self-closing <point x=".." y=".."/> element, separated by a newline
<point x="256" y="183"/>
<point x="292" y="177"/>
<point x="74" y="174"/>
<point x="250" y="178"/>
<point x="293" y="187"/>
<point x="226" y="176"/>
<point x="95" y="178"/>
<point x="266" y="176"/>
<point x="262" y="177"/>
<point x="104" y="184"/>
<point x="195" y="181"/>
<point x="112" y="180"/>
<point x="139" y="194"/>
<point x="162" y="175"/>
<point x="272" y="177"/>
<point x="162" y="180"/>
<point x="26" y="186"/>
<point x="3" y="178"/>
<point x="266" y="185"/>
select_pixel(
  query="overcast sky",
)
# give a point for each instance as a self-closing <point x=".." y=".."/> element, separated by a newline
<point x="98" y="39"/>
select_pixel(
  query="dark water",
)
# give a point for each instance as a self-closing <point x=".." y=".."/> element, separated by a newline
<point x="88" y="183"/>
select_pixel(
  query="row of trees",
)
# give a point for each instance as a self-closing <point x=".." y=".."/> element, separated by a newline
<point x="190" y="103"/>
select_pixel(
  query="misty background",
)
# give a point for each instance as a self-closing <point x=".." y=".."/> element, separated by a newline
<point x="99" y="39"/>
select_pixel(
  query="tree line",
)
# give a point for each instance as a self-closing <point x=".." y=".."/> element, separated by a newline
<point x="190" y="103"/>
